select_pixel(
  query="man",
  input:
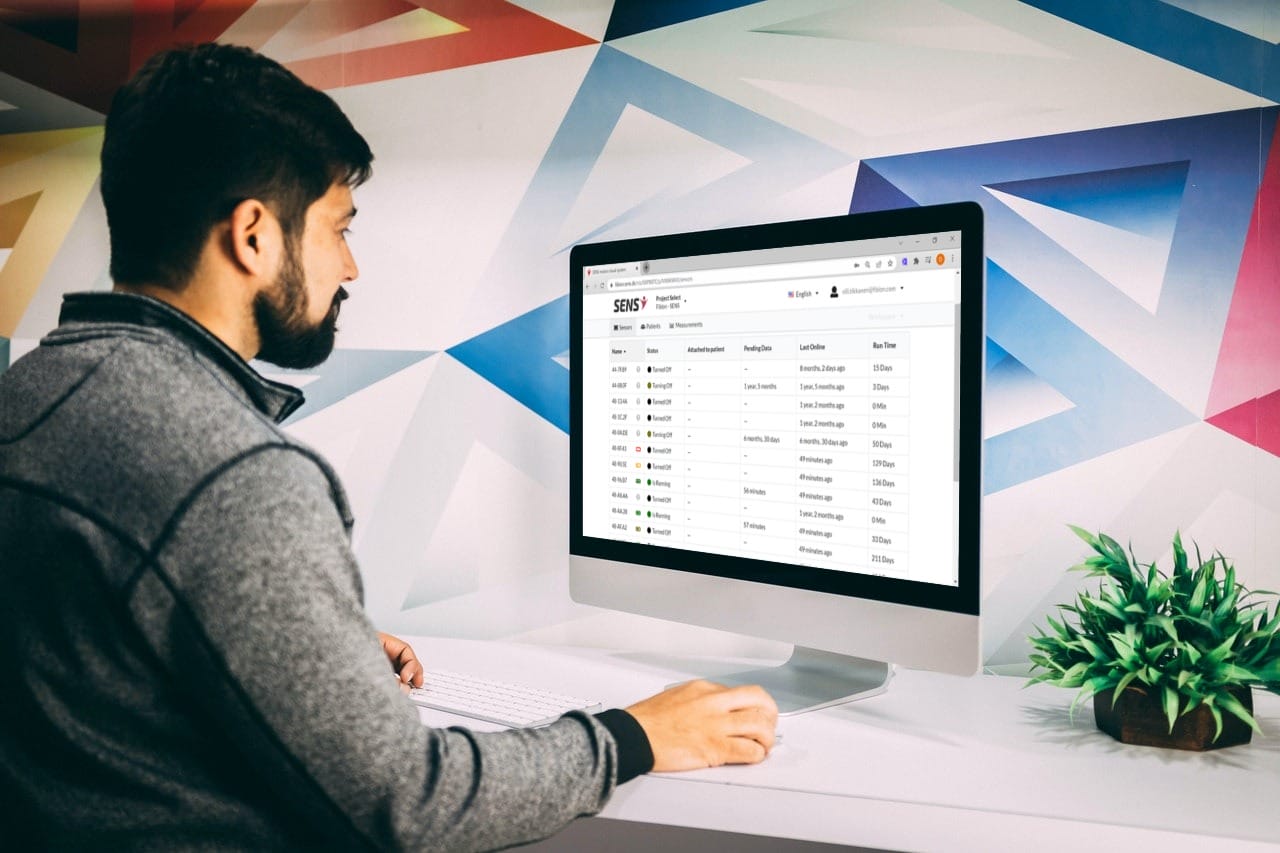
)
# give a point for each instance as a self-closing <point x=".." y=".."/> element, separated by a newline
<point x="184" y="656"/>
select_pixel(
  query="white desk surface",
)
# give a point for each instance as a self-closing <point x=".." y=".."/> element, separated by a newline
<point x="936" y="763"/>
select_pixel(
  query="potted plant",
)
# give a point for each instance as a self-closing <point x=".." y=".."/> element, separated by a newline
<point x="1170" y="660"/>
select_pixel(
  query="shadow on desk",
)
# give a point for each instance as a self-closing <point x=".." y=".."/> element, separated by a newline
<point x="590" y="835"/>
<point x="1056" y="725"/>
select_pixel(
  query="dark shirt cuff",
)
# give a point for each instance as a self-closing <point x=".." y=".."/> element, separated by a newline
<point x="635" y="755"/>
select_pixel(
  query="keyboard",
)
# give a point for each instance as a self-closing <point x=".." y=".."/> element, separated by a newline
<point x="514" y="705"/>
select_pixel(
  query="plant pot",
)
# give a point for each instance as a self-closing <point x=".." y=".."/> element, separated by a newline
<point x="1138" y="718"/>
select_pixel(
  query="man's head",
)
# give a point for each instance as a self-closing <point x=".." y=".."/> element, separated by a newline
<point x="201" y="133"/>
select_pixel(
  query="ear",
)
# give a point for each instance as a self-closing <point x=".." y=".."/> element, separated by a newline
<point x="256" y="238"/>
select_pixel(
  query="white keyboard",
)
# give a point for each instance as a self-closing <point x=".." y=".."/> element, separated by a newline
<point x="512" y="705"/>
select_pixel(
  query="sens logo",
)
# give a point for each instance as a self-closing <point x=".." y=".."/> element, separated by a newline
<point x="621" y="306"/>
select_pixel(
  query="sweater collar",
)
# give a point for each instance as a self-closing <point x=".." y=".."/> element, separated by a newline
<point x="276" y="400"/>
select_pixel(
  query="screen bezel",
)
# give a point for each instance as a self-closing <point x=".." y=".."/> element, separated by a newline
<point x="965" y="217"/>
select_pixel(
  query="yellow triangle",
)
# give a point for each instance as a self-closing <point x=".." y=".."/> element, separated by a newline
<point x="53" y="172"/>
<point x="20" y="146"/>
<point x="411" y="26"/>
<point x="425" y="24"/>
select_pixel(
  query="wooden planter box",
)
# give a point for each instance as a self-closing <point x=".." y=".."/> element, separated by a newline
<point x="1138" y="718"/>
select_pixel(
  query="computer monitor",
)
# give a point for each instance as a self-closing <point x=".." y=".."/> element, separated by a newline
<point x="775" y="430"/>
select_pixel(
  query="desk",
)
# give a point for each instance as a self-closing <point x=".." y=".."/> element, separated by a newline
<point x="936" y="763"/>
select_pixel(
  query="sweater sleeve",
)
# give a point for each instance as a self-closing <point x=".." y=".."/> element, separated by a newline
<point x="251" y="600"/>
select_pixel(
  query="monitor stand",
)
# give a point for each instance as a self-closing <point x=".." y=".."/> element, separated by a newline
<point x="813" y="679"/>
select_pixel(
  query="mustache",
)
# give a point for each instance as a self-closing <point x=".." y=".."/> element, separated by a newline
<point x="336" y="306"/>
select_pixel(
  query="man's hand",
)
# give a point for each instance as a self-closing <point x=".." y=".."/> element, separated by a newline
<point x="404" y="662"/>
<point x="701" y="724"/>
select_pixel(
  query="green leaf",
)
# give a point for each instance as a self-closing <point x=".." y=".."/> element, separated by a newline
<point x="1124" y="682"/>
<point x="1113" y="549"/>
<point x="1094" y="649"/>
<point x="1088" y="537"/>
<point x="1058" y="628"/>
<point x="1160" y="592"/>
<point x="1167" y="625"/>
<point x="1091" y="687"/>
<point x="1269" y="671"/>
<point x="1196" y="605"/>
<point x="1220" y="653"/>
<point x="1268" y="631"/>
<point x="1217" y="721"/>
<point x="1233" y="674"/>
<point x="1228" y="602"/>
<point x="1074" y="676"/>
<point x="1154" y="653"/>
<point x="1109" y="608"/>
<point x="1170" y="706"/>
<point x="1179" y="554"/>
<point x="1232" y="705"/>
<point x="1121" y="644"/>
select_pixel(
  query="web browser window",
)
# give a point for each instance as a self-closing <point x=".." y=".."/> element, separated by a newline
<point x="794" y="405"/>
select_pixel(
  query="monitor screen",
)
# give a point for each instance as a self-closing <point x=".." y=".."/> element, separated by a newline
<point x="795" y="404"/>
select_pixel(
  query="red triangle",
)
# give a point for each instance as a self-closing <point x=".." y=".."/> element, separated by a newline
<point x="1257" y="422"/>
<point x="1249" y="357"/>
<point x="496" y="30"/>
<point x="183" y="9"/>
<point x="111" y="47"/>
<point x="158" y="24"/>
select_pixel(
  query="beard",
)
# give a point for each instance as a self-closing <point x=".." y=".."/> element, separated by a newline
<point x="286" y="338"/>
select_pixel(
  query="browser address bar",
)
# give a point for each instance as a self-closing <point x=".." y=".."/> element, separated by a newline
<point x="762" y="272"/>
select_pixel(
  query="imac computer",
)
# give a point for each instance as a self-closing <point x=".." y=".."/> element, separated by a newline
<point x="775" y="430"/>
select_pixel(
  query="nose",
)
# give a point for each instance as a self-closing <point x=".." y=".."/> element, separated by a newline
<point x="350" y="271"/>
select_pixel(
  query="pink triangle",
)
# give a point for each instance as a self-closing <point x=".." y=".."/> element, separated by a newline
<point x="1257" y="422"/>
<point x="1249" y="358"/>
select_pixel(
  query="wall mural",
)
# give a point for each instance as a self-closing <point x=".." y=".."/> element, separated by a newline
<point x="1131" y="186"/>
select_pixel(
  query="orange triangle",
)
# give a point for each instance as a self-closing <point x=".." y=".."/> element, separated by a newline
<point x="13" y="218"/>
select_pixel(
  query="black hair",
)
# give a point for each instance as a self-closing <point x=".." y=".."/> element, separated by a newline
<point x="200" y="129"/>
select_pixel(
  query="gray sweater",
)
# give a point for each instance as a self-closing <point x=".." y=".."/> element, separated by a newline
<point x="185" y="661"/>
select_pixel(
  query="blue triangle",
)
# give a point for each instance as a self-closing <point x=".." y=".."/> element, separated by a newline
<point x="872" y="192"/>
<point x="1116" y="406"/>
<point x="1177" y="35"/>
<point x="519" y="357"/>
<point x="637" y="16"/>
<point x="344" y="373"/>
<point x="995" y="355"/>
<point x="1140" y="199"/>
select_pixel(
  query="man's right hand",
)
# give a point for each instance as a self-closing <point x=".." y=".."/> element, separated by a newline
<point x="700" y="724"/>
